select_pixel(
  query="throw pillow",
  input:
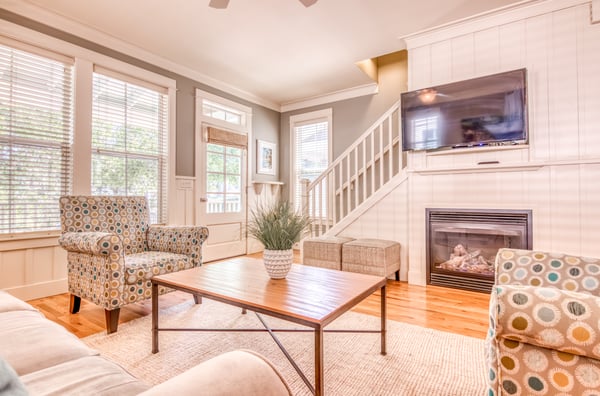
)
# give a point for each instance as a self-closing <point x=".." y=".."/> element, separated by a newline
<point x="10" y="383"/>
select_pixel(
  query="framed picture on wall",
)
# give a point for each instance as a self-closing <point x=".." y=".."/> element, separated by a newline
<point x="266" y="156"/>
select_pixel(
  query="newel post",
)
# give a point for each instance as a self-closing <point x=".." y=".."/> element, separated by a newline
<point x="304" y="207"/>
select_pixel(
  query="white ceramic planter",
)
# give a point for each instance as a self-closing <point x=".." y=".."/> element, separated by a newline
<point x="278" y="262"/>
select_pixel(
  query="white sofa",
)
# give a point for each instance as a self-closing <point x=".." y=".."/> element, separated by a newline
<point x="40" y="357"/>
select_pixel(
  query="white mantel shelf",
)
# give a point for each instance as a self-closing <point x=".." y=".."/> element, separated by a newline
<point x="512" y="167"/>
<point x="275" y="186"/>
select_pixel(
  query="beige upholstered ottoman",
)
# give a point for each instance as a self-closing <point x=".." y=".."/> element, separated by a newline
<point x="372" y="257"/>
<point x="324" y="251"/>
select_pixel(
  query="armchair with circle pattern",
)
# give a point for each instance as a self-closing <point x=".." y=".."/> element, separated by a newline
<point x="544" y="334"/>
<point x="113" y="251"/>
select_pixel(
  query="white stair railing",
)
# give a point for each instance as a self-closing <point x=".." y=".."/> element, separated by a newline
<point x="360" y="171"/>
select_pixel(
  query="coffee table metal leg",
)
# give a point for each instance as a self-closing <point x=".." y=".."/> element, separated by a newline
<point x="383" y="321"/>
<point x="319" y="385"/>
<point x="154" y="318"/>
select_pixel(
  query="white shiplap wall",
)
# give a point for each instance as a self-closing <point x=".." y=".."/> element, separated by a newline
<point x="557" y="175"/>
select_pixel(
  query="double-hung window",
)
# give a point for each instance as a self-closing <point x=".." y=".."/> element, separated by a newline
<point x="36" y="134"/>
<point x="311" y="151"/>
<point x="130" y="139"/>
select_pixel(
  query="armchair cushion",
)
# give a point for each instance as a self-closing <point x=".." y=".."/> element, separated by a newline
<point x="549" y="318"/>
<point x="141" y="267"/>
<point x="99" y="243"/>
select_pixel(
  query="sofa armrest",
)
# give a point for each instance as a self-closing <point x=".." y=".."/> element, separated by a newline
<point x="96" y="243"/>
<point x="186" y="240"/>
<point x="546" y="317"/>
<point x="240" y="373"/>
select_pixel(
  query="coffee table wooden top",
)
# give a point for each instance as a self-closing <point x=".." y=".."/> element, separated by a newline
<point x="308" y="295"/>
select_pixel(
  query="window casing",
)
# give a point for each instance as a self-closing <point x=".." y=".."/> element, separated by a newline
<point x="36" y="135"/>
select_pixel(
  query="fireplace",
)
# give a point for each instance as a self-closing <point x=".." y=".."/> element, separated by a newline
<point x="462" y="244"/>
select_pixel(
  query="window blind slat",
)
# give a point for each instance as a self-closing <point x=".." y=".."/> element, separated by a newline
<point x="36" y="133"/>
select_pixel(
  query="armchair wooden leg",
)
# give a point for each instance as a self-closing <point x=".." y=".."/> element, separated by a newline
<point x="74" y="304"/>
<point x="197" y="299"/>
<point x="112" y="320"/>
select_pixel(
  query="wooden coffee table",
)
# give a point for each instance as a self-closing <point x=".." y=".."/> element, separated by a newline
<point x="309" y="296"/>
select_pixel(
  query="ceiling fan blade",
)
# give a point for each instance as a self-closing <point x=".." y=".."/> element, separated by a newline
<point x="218" y="3"/>
<point x="308" y="3"/>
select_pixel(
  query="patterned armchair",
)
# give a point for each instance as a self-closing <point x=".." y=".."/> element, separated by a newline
<point x="544" y="336"/>
<point x="113" y="251"/>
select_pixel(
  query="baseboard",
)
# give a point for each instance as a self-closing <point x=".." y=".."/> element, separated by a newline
<point x="39" y="290"/>
<point x="416" y="278"/>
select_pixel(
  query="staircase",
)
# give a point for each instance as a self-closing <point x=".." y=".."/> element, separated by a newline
<point x="357" y="179"/>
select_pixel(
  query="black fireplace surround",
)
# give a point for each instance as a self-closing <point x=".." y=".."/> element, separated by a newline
<point x="462" y="244"/>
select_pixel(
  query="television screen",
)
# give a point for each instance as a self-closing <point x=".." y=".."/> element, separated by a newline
<point x="490" y="110"/>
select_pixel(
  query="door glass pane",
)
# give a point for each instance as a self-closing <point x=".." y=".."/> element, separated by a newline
<point x="215" y="203"/>
<point x="215" y="182"/>
<point x="234" y="151"/>
<point x="215" y="162"/>
<point x="215" y="148"/>
<point x="234" y="184"/>
<point x="224" y="179"/>
<point x="234" y="203"/>
<point x="234" y="165"/>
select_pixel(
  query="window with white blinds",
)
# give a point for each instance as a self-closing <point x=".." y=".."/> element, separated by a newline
<point x="311" y="152"/>
<point x="36" y="134"/>
<point x="129" y="140"/>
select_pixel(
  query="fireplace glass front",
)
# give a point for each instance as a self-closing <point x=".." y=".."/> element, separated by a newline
<point x="462" y="244"/>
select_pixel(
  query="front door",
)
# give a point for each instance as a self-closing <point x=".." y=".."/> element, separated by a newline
<point x="222" y="202"/>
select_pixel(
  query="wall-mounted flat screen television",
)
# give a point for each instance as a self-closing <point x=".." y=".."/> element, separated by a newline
<point x="490" y="110"/>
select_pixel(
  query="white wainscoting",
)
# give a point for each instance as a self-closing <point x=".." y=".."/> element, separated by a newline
<point x="556" y="176"/>
<point x="33" y="268"/>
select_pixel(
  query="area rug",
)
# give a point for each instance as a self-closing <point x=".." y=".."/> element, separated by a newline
<point x="419" y="361"/>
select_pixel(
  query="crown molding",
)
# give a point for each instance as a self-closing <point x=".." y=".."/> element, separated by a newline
<point x="500" y="16"/>
<point x="355" y="92"/>
<point x="40" y="15"/>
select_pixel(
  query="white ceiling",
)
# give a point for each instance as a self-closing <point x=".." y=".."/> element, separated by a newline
<point x="275" y="50"/>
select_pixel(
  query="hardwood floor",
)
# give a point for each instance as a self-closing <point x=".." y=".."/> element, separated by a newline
<point x="440" y="308"/>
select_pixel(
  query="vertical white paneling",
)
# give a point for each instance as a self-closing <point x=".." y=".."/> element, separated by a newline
<point x="588" y="55"/>
<point x="565" y="209"/>
<point x="487" y="51"/>
<point x="420" y="197"/>
<point x="59" y="267"/>
<point x="441" y="62"/>
<point x="445" y="188"/>
<point x="537" y="41"/>
<point x="42" y="263"/>
<point x="562" y="92"/>
<point x="590" y="209"/>
<point x="385" y="227"/>
<point x="12" y="268"/>
<point x="512" y="46"/>
<point x="420" y="68"/>
<point x="463" y="57"/>
<point x="537" y="185"/>
<point x="183" y="211"/>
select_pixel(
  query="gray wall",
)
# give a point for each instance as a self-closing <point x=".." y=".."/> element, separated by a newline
<point x="351" y="117"/>
<point x="265" y="122"/>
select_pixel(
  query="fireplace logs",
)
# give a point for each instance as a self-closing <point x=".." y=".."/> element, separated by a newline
<point x="465" y="261"/>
